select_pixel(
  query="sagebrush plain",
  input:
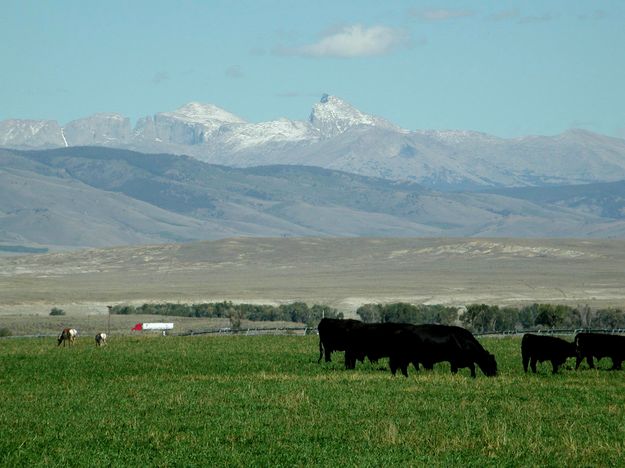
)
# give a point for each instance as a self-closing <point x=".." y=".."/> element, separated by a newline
<point x="260" y="401"/>
<point x="340" y="272"/>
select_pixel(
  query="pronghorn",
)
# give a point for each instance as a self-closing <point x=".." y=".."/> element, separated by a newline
<point x="100" y="339"/>
<point x="68" y="334"/>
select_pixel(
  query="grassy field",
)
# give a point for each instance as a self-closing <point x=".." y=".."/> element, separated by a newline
<point x="241" y="401"/>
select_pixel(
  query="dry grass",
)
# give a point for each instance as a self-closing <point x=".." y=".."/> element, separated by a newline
<point x="343" y="273"/>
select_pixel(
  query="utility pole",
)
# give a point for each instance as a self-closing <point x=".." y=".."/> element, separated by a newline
<point x="108" y="332"/>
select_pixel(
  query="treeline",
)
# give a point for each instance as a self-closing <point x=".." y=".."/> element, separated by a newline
<point x="491" y="318"/>
<point x="480" y="318"/>
<point x="401" y="312"/>
<point x="486" y="318"/>
<point x="298" y="312"/>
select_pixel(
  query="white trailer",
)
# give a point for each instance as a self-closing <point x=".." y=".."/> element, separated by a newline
<point x="154" y="326"/>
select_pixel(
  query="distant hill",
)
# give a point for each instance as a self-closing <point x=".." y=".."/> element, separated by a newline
<point x="95" y="197"/>
<point x="606" y="200"/>
<point x="338" y="136"/>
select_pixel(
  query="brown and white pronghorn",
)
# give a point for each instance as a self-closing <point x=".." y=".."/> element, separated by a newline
<point x="100" y="339"/>
<point x="69" y="335"/>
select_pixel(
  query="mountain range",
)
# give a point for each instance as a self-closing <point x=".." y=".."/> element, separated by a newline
<point x="94" y="196"/>
<point x="338" y="136"/>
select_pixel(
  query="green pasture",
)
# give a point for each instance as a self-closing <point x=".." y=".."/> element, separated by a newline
<point x="264" y="401"/>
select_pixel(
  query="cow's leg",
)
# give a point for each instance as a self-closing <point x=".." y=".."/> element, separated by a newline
<point x="578" y="361"/>
<point x="526" y="360"/>
<point x="533" y="361"/>
<point x="472" y="368"/>
<point x="590" y="361"/>
<point x="320" y="352"/>
<point x="350" y="360"/>
<point x="554" y="365"/>
<point x="404" y="368"/>
<point x="392" y="363"/>
<point x="616" y="364"/>
<point x="454" y="367"/>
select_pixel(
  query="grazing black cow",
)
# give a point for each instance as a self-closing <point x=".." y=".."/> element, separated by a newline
<point x="429" y="344"/>
<point x="372" y="341"/>
<point x="600" y="345"/>
<point x="333" y="335"/>
<point x="540" y="348"/>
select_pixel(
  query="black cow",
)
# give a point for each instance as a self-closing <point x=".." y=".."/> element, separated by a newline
<point x="429" y="344"/>
<point x="540" y="348"/>
<point x="333" y="335"/>
<point x="372" y="341"/>
<point x="600" y="345"/>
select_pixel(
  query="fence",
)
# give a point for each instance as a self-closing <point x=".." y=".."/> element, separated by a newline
<point x="252" y="331"/>
<point x="554" y="331"/>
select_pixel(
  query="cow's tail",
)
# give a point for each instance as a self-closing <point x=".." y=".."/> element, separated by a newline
<point x="576" y="341"/>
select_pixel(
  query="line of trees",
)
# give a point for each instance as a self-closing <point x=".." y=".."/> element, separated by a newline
<point x="298" y="312"/>
<point x="480" y="318"/>
<point x="485" y="318"/>
<point x="401" y="312"/>
<point x="491" y="318"/>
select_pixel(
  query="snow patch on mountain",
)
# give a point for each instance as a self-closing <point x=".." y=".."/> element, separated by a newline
<point x="333" y="116"/>
<point x="240" y="137"/>
<point x="30" y="133"/>
<point x="205" y="114"/>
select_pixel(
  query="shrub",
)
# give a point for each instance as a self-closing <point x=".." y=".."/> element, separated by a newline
<point x="57" y="311"/>
<point x="401" y="312"/>
<point x="609" y="318"/>
<point x="5" y="332"/>
<point x="370" y="313"/>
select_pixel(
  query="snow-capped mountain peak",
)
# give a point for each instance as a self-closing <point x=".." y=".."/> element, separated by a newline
<point x="205" y="114"/>
<point x="333" y="116"/>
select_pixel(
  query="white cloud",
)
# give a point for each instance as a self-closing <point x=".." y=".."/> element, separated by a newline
<point x="160" y="76"/>
<point x="441" y="14"/>
<point x="595" y="15"/>
<point x="234" y="71"/>
<point x="352" y="41"/>
<point x="504" y="15"/>
<point x="536" y="18"/>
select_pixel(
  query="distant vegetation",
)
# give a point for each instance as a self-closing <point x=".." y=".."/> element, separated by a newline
<point x="57" y="311"/>
<point x="298" y="312"/>
<point x="5" y="332"/>
<point x="22" y="249"/>
<point x="401" y="312"/>
<point x="485" y="318"/>
<point x="480" y="318"/>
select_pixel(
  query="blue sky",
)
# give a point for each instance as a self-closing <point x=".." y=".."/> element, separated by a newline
<point x="502" y="67"/>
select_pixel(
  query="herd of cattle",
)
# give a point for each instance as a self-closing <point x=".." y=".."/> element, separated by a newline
<point x="404" y="344"/>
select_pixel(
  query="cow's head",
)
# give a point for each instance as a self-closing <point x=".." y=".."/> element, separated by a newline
<point x="488" y="364"/>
